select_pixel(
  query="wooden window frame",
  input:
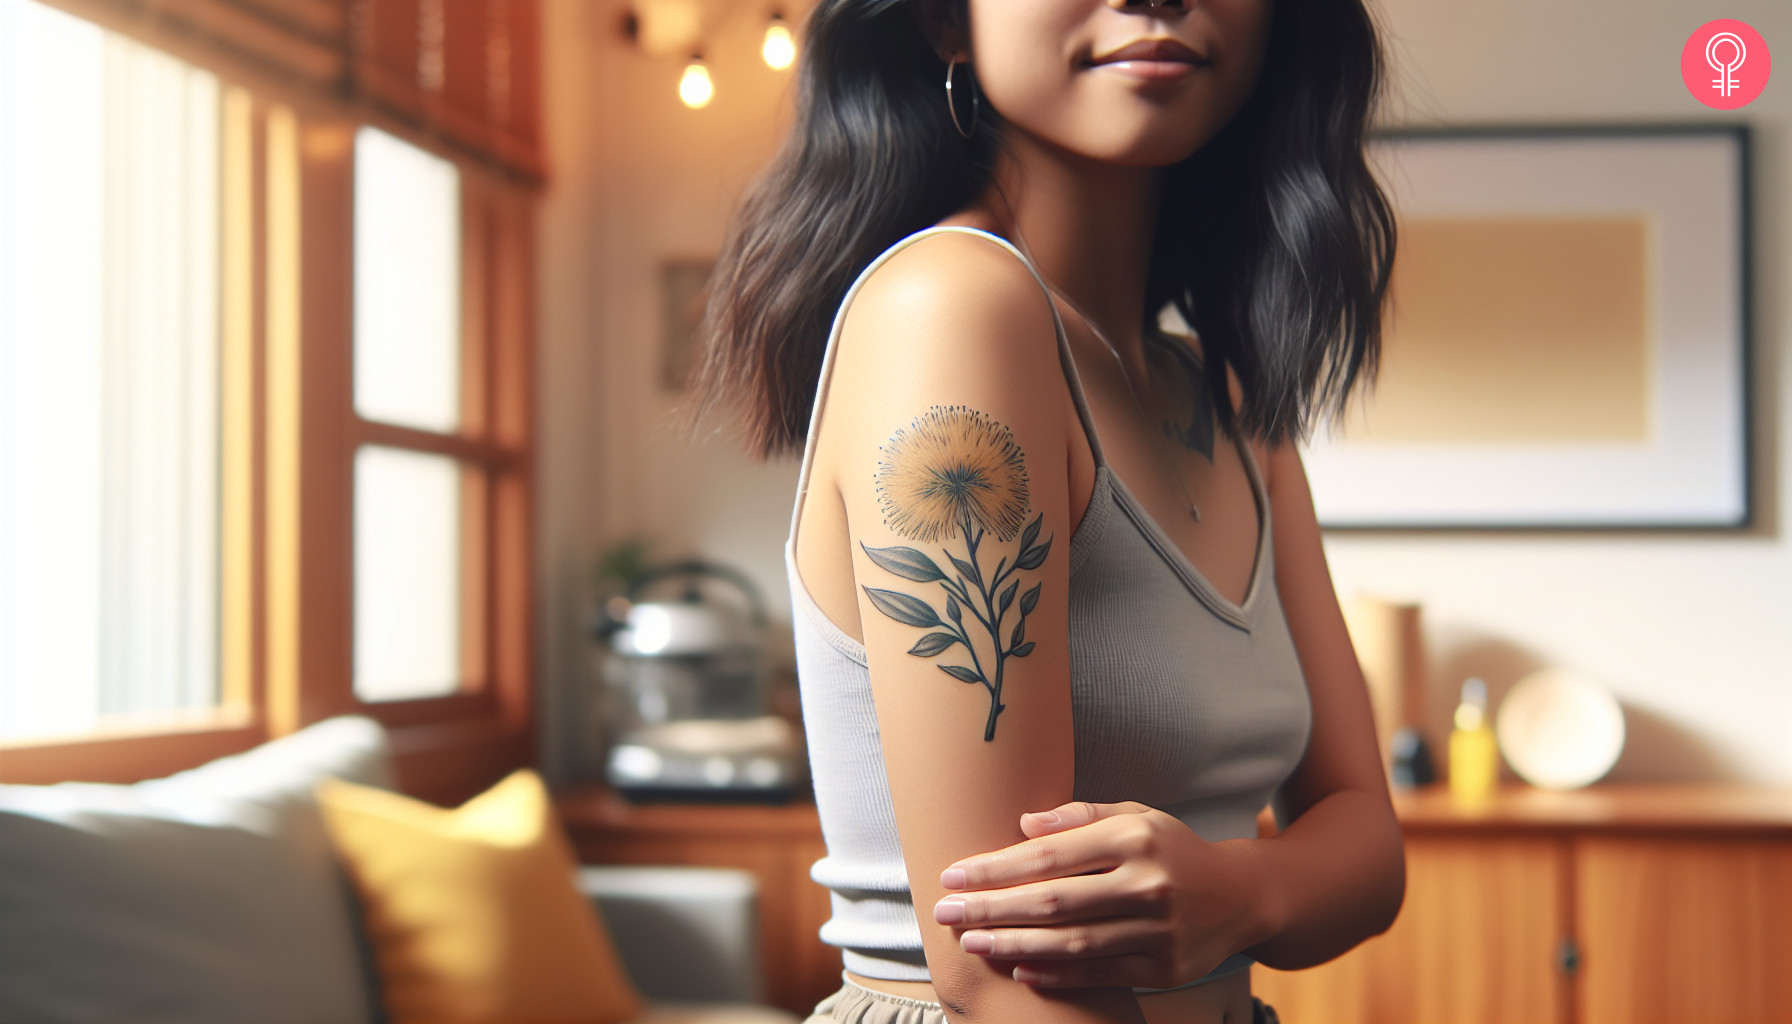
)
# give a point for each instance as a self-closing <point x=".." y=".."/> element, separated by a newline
<point x="289" y="437"/>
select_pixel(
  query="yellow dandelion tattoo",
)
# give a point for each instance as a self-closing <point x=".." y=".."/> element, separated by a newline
<point x="956" y="472"/>
<point x="953" y="468"/>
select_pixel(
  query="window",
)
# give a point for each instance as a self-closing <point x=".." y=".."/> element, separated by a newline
<point x="408" y="511"/>
<point x="432" y="454"/>
<point x="264" y="366"/>
<point x="109" y="379"/>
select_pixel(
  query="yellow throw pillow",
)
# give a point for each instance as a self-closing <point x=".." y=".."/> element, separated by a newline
<point x="472" y="913"/>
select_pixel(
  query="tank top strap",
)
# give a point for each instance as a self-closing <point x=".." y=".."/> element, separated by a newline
<point x="1065" y="359"/>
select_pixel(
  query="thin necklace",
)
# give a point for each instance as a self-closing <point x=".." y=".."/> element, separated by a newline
<point x="1194" y="510"/>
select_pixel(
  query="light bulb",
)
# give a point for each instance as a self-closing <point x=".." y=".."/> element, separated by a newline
<point x="695" y="87"/>
<point x="779" y="49"/>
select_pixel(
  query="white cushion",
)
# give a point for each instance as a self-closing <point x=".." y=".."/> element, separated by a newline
<point x="208" y="896"/>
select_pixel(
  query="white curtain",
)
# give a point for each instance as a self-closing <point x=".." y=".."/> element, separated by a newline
<point x="109" y="383"/>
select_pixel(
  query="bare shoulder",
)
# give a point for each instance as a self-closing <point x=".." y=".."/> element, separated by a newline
<point x="950" y="301"/>
<point x="951" y="319"/>
<point x="951" y="265"/>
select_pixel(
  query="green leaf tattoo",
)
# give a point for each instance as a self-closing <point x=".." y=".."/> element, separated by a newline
<point x="955" y="472"/>
<point x="962" y="674"/>
<point x="905" y="609"/>
<point x="932" y="644"/>
<point x="907" y="563"/>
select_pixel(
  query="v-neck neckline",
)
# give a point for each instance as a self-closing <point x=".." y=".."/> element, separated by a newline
<point x="1239" y="614"/>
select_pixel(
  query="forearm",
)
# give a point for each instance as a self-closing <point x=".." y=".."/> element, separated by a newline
<point x="1334" y="877"/>
<point x="974" y="988"/>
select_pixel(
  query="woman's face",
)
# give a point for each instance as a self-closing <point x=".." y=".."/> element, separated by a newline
<point x="1055" y="69"/>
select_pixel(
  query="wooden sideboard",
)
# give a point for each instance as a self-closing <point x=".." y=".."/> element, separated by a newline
<point x="1608" y="905"/>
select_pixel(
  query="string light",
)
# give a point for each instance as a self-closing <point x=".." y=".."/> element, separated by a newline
<point x="695" y="87"/>
<point x="662" y="27"/>
<point x="779" y="49"/>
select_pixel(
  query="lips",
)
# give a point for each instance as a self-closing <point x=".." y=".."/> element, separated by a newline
<point x="1157" y="50"/>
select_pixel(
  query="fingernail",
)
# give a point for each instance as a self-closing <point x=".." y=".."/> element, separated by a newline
<point x="948" y="911"/>
<point x="952" y="878"/>
<point x="1034" y="977"/>
<point x="1045" y="817"/>
<point x="978" y="942"/>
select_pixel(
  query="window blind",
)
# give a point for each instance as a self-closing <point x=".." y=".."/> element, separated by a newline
<point x="109" y="363"/>
<point x="465" y="72"/>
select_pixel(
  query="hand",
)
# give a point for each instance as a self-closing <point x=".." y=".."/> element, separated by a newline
<point x="1106" y="895"/>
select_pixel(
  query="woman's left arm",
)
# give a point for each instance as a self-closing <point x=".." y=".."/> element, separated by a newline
<point x="1336" y="872"/>
<point x="1332" y="877"/>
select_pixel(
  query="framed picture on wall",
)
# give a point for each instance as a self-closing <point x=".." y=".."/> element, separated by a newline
<point x="1566" y="344"/>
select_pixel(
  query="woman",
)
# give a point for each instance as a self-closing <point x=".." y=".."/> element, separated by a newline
<point x="1063" y="619"/>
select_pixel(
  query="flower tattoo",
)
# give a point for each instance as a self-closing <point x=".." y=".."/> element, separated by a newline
<point x="952" y="463"/>
<point x="956" y="472"/>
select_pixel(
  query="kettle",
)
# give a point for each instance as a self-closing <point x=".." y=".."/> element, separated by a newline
<point x="689" y="709"/>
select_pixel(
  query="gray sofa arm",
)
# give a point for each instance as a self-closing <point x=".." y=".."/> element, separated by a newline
<point x="684" y="934"/>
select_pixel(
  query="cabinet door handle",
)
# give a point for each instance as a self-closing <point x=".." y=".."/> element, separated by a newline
<point x="1568" y="955"/>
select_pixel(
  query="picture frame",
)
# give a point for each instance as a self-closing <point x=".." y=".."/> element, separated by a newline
<point x="1567" y="341"/>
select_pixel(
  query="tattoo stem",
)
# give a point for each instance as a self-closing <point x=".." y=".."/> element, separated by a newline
<point x="975" y="662"/>
<point x="964" y="597"/>
<point x="995" y="701"/>
<point x="994" y="624"/>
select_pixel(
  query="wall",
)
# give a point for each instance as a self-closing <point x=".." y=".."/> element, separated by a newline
<point x="638" y="178"/>
<point x="1693" y="631"/>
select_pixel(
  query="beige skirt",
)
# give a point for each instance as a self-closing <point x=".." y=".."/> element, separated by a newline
<point x="856" y="1004"/>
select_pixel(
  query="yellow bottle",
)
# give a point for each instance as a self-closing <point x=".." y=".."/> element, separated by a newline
<point x="1474" y="754"/>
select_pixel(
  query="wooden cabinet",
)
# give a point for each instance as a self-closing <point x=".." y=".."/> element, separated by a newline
<point x="1477" y="941"/>
<point x="1610" y="905"/>
<point x="1684" y="930"/>
<point x="776" y="843"/>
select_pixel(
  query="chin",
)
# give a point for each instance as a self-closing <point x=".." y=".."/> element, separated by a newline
<point x="1126" y="134"/>
<point x="1150" y="154"/>
<point x="1143" y="149"/>
<point x="1134" y="137"/>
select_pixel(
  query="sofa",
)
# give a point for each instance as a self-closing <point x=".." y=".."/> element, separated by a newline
<point x="214" y="896"/>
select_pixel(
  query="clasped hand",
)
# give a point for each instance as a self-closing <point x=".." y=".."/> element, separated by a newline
<point x="1105" y="895"/>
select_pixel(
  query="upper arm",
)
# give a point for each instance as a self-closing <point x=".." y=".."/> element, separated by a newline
<point x="1341" y="751"/>
<point x="947" y="416"/>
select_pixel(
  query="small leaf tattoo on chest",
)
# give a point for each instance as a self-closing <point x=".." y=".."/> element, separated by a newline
<point x="956" y="474"/>
<point x="1197" y="433"/>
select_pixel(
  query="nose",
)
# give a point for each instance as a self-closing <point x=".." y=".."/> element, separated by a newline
<point x="1150" y="5"/>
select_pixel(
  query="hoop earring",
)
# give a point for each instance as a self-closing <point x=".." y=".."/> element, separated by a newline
<point x="952" y="108"/>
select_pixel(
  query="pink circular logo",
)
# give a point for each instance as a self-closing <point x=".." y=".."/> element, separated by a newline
<point x="1725" y="64"/>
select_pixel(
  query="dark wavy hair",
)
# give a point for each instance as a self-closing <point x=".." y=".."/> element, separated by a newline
<point x="1273" y="242"/>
